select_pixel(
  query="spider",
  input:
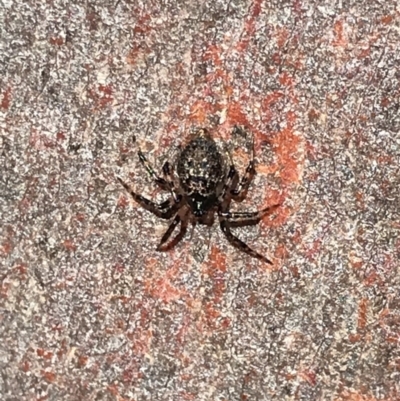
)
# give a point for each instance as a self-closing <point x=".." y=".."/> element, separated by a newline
<point x="206" y="184"/>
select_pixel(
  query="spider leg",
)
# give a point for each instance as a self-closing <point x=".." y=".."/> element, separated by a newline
<point x="157" y="179"/>
<point x="184" y="224"/>
<point x="231" y="180"/>
<point x="164" y="210"/>
<point x="239" y="219"/>
<point x="168" y="176"/>
<point x="167" y="182"/>
<point x="239" y="244"/>
<point x="240" y="192"/>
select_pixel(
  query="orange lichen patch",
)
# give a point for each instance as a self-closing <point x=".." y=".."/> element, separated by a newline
<point x="140" y="49"/>
<point x="69" y="245"/>
<point x="56" y="41"/>
<point x="363" y="53"/>
<point x="211" y="315"/>
<point x="60" y="136"/>
<point x="6" y="100"/>
<point x="360" y="199"/>
<point x="142" y="26"/>
<point x="276" y="60"/>
<point x="265" y="169"/>
<point x="385" y="159"/>
<point x="164" y="290"/>
<point x="21" y="269"/>
<point x="314" y="249"/>
<point x="389" y="321"/>
<point x="387" y="19"/>
<point x="353" y="396"/>
<point x="249" y="26"/>
<point x="362" y="313"/>
<point x="4" y="288"/>
<point x="160" y="285"/>
<point x="313" y="114"/>
<point x="185" y="395"/>
<point x="141" y="340"/>
<point x="340" y="37"/>
<point x="213" y="53"/>
<point x="355" y="261"/>
<point x="281" y="252"/>
<point x="107" y="95"/>
<point x="309" y="376"/>
<point x="295" y="271"/>
<point x="137" y="54"/>
<point x="225" y="323"/>
<point x="236" y="115"/>
<point x="287" y="145"/>
<point x="102" y="96"/>
<point x="182" y="331"/>
<point x="267" y="103"/>
<point x="282" y="35"/>
<point x="82" y="361"/>
<point x="200" y="111"/>
<point x="354" y="338"/>
<point x="217" y="260"/>
<point x="216" y="269"/>
<point x="393" y="339"/>
<point x="48" y="376"/>
<point x="372" y="278"/>
<point x="113" y="389"/>
<point x="6" y="247"/>
<point x="40" y="352"/>
<point x="40" y="141"/>
<point x="25" y="366"/>
<point x="385" y="101"/>
<point x="356" y="264"/>
<point x="123" y="201"/>
<point x="80" y="217"/>
<point x="286" y="79"/>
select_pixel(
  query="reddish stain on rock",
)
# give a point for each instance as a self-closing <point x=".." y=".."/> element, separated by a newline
<point x="6" y="247"/>
<point x="60" y="136"/>
<point x="6" y="100"/>
<point x="339" y="33"/>
<point x="48" y="376"/>
<point x="362" y="313"/>
<point x="69" y="245"/>
<point x="56" y="41"/>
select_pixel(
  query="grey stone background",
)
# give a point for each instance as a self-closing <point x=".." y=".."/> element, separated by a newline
<point x="89" y="310"/>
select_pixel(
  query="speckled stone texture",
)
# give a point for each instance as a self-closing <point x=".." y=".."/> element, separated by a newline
<point x="89" y="310"/>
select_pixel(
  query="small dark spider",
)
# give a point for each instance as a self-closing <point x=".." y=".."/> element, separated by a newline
<point x="205" y="185"/>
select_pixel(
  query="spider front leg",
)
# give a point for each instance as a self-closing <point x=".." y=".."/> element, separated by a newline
<point x="157" y="179"/>
<point x="239" y="193"/>
<point x="164" y="210"/>
<point x="230" y="182"/>
<point x="167" y="182"/>
<point x="238" y="190"/>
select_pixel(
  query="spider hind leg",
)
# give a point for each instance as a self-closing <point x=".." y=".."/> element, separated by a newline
<point x="239" y="244"/>
<point x="166" y="246"/>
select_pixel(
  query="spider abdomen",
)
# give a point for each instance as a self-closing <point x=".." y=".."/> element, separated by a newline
<point x="200" y="167"/>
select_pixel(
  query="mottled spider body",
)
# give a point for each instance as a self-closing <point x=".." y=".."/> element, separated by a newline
<point x="200" y="170"/>
<point x="206" y="184"/>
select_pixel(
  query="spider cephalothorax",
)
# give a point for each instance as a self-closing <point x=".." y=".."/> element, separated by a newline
<point x="206" y="184"/>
